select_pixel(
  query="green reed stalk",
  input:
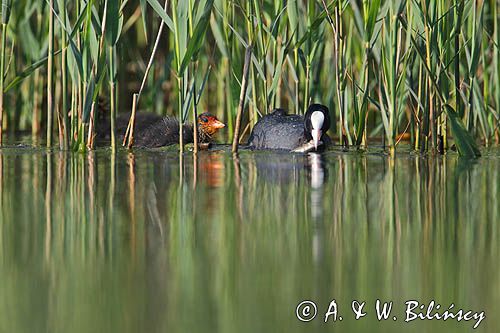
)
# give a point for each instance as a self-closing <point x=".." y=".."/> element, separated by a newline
<point x="394" y="35"/>
<point x="276" y="100"/>
<point x="251" y="38"/>
<point x="2" y="75"/>
<point x="73" y="117"/>
<point x="35" y="120"/>
<point x="307" y="86"/>
<point x="339" y="67"/>
<point x="6" y="8"/>
<point x="470" y="77"/>
<point x="180" y="78"/>
<point x="431" y="115"/>
<point x="80" y="129"/>
<point x="38" y="81"/>
<point x="112" y="94"/>
<point x="112" y="34"/>
<point x="496" y="61"/>
<point x="361" y="139"/>
<point x="459" y="7"/>
<point x="63" y="141"/>
<point x="194" y="70"/>
<point x="476" y="41"/>
<point x="386" y="86"/>
<point x="195" y="110"/>
<point x="262" y="47"/>
<point x="445" y="44"/>
<point x="228" y="9"/>
<point x="243" y="92"/>
<point x="485" y="101"/>
<point x="96" y="69"/>
<point x="370" y="13"/>
<point x="418" y="113"/>
<point x="296" y="81"/>
<point x="310" y="12"/>
<point x="50" y="74"/>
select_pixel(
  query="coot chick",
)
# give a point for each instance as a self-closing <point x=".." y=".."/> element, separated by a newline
<point x="278" y="130"/>
<point x="103" y="124"/>
<point x="165" y="131"/>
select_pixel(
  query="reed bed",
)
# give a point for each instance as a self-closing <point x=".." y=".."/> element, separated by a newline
<point x="427" y="69"/>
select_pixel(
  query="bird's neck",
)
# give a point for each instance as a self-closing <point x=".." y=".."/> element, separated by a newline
<point x="203" y="136"/>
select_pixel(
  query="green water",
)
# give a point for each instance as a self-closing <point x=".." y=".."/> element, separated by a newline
<point x="128" y="243"/>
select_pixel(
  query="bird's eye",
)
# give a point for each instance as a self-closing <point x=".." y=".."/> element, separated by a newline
<point x="204" y="119"/>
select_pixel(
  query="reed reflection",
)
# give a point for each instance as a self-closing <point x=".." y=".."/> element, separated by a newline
<point x="239" y="229"/>
<point x="48" y="208"/>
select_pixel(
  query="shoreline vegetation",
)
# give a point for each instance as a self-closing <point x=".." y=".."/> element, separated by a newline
<point x="427" y="70"/>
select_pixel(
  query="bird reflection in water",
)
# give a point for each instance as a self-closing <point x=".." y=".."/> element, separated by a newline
<point x="211" y="169"/>
<point x="207" y="175"/>
<point x="317" y="172"/>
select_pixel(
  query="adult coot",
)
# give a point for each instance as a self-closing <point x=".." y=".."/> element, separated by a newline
<point x="278" y="130"/>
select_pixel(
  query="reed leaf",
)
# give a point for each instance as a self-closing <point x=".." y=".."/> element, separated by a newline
<point x="114" y="22"/>
<point x="164" y="16"/>
<point x="372" y="9"/>
<point x="144" y="8"/>
<point x="6" y="10"/>
<point x="312" y="30"/>
<point x="196" y="41"/>
<point x="476" y="42"/>
<point x="466" y="145"/>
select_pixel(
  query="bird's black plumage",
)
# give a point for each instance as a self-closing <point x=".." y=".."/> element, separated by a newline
<point x="163" y="133"/>
<point x="143" y="120"/>
<point x="152" y="130"/>
<point x="279" y="130"/>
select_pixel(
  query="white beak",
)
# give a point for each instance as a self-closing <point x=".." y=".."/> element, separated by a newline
<point x="317" y="120"/>
<point x="316" y="135"/>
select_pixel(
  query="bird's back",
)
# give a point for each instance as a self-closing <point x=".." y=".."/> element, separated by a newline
<point x="143" y="120"/>
<point x="278" y="130"/>
<point x="162" y="133"/>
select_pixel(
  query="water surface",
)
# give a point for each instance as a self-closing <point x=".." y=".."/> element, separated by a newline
<point x="132" y="242"/>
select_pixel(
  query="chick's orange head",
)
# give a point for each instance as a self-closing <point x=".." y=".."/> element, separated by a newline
<point x="209" y="123"/>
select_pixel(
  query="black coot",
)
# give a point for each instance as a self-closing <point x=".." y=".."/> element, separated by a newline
<point x="278" y="130"/>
